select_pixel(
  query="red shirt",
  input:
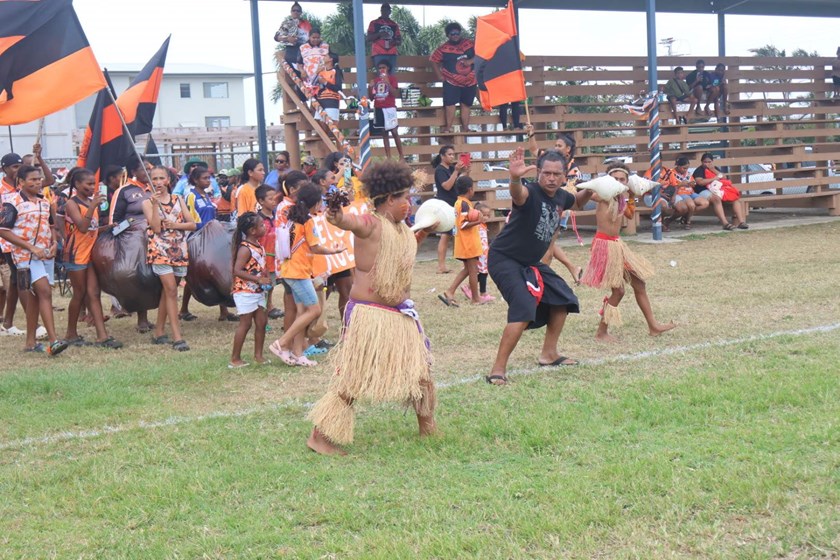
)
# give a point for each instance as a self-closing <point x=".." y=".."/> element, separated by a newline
<point x="268" y="241"/>
<point x="382" y="97"/>
<point x="453" y="59"/>
<point x="392" y="33"/>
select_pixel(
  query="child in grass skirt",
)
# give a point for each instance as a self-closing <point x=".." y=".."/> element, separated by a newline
<point x="383" y="355"/>
<point x="612" y="263"/>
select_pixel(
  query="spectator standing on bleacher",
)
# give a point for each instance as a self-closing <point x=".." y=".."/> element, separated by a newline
<point x="678" y="91"/>
<point x="700" y="82"/>
<point x="453" y="64"/>
<point x="384" y="90"/>
<point x="384" y="36"/>
<point x="312" y="56"/>
<point x="330" y="82"/>
<point x="835" y="75"/>
<point x="293" y="32"/>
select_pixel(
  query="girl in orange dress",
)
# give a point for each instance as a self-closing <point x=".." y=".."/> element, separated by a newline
<point x="467" y="242"/>
<point x="81" y="228"/>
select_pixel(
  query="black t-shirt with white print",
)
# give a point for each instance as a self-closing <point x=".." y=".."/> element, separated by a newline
<point x="527" y="235"/>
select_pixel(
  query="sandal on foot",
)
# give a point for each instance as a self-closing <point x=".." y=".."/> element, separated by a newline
<point x="162" y="339"/>
<point x="37" y="349"/>
<point x="230" y="317"/>
<point x="188" y="316"/>
<point x="276" y="313"/>
<point x="237" y="366"/>
<point x="143" y="329"/>
<point x="56" y="348"/>
<point x="285" y="356"/>
<point x="728" y="227"/>
<point x="109" y="342"/>
<point x="77" y="341"/>
<point x="743" y="225"/>
<point x="578" y="276"/>
<point x="314" y="351"/>
<point x="491" y="378"/>
<point x="561" y="361"/>
<point x="304" y="361"/>
<point x="180" y="345"/>
<point x="446" y="301"/>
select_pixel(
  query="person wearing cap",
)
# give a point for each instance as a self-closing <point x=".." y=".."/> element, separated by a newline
<point x="182" y="186"/>
<point x="10" y="164"/>
<point x="384" y="36"/>
<point x="309" y="166"/>
<point x="282" y="165"/>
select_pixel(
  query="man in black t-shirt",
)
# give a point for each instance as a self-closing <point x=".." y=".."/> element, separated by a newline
<point x="535" y="294"/>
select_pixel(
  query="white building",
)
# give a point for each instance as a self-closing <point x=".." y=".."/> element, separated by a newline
<point x="191" y="95"/>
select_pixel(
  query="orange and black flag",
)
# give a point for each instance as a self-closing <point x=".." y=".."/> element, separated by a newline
<point x="498" y="65"/>
<point x="46" y="63"/>
<point x="105" y="142"/>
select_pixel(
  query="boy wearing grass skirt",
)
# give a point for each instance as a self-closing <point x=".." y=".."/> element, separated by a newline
<point x="612" y="263"/>
<point x="383" y="354"/>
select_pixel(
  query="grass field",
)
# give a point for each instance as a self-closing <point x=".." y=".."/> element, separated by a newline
<point x="719" y="440"/>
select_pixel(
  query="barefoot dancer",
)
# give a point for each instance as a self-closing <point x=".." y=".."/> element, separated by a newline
<point x="383" y="354"/>
<point x="535" y="294"/>
<point x="612" y="263"/>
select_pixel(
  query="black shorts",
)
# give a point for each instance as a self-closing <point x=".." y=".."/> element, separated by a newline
<point x="682" y="97"/>
<point x="520" y="285"/>
<point x="452" y="95"/>
<point x="338" y="276"/>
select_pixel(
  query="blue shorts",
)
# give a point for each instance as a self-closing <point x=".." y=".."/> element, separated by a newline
<point x="707" y="194"/>
<point x="680" y="197"/>
<point x="40" y="269"/>
<point x="73" y="267"/>
<point x="648" y="200"/>
<point x="303" y="291"/>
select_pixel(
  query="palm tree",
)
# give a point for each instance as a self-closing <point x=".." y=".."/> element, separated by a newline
<point x="338" y="30"/>
<point x="432" y="36"/>
<point x="770" y="51"/>
<point x="409" y="29"/>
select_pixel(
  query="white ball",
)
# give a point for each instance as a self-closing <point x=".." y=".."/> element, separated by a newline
<point x="673" y="263"/>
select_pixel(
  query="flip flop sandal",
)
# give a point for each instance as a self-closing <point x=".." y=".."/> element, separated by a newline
<point x="560" y="362"/>
<point x="180" y="345"/>
<point x="276" y="314"/>
<point x="143" y="329"/>
<point x="37" y="349"/>
<point x="78" y="341"/>
<point x="579" y="276"/>
<point x="324" y="343"/>
<point x="230" y="318"/>
<point x="491" y="378"/>
<point x="56" y="348"/>
<point x="447" y="302"/>
<point x="238" y="366"/>
<point x="743" y="225"/>
<point x="163" y="339"/>
<point x="728" y="227"/>
<point x="109" y="342"/>
<point x="188" y="317"/>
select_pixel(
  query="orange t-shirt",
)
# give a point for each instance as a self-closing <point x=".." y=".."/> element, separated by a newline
<point x="467" y="241"/>
<point x="299" y="265"/>
<point x="78" y="245"/>
<point x="246" y="199"/>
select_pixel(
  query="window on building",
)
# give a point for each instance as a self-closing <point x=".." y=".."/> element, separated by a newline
<point x="216" y="90"/>
<point x="185" y="91"/>
<point x="217" y="122"/>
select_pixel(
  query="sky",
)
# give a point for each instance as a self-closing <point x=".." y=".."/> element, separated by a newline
<point x="218" y="32"/>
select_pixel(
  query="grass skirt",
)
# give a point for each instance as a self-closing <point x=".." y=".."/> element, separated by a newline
<point x="382" y="357"/>
<point x="611" y="262"/>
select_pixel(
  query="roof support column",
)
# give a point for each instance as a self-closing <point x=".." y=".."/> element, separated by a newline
<point x="721" y="34"/>
<point x="361" y="82"/>
<point x="653" y="121"/>
<point x="258" y="82"/>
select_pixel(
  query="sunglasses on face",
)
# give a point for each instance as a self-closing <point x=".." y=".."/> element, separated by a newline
<point x="279" y="161"/>
<point x="454" y="33"/>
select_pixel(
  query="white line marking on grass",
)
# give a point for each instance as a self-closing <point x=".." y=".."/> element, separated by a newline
<point x="178" y="420"/>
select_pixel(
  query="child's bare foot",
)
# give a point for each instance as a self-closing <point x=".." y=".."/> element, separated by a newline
<point x="443" y="271"/>
<point x="261" y="360"/>
<point x="428" y="426"/>
<point x="605" y="337"/>
<point x="659" y="329"/>
<point x="320" y="444"/>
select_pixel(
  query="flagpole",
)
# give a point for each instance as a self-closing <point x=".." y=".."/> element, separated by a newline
<point x="11" y="141"/>
<point x="125" y="128"/>
<point x="40" y="133"/>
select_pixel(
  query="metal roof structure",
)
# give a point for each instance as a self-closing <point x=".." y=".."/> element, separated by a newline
<point x="803" y="8"/>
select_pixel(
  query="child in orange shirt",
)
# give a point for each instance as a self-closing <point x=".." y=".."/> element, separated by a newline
<point x="250" y="279"/>
<point x="467" y="242"/>
<point x="486" y="214"/>
<point x="297" y="274"/>
<point x="81" y="228"/>
<point x="268" y="198"/>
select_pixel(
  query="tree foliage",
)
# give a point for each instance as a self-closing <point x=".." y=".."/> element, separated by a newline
<point x="771" y="51"/>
